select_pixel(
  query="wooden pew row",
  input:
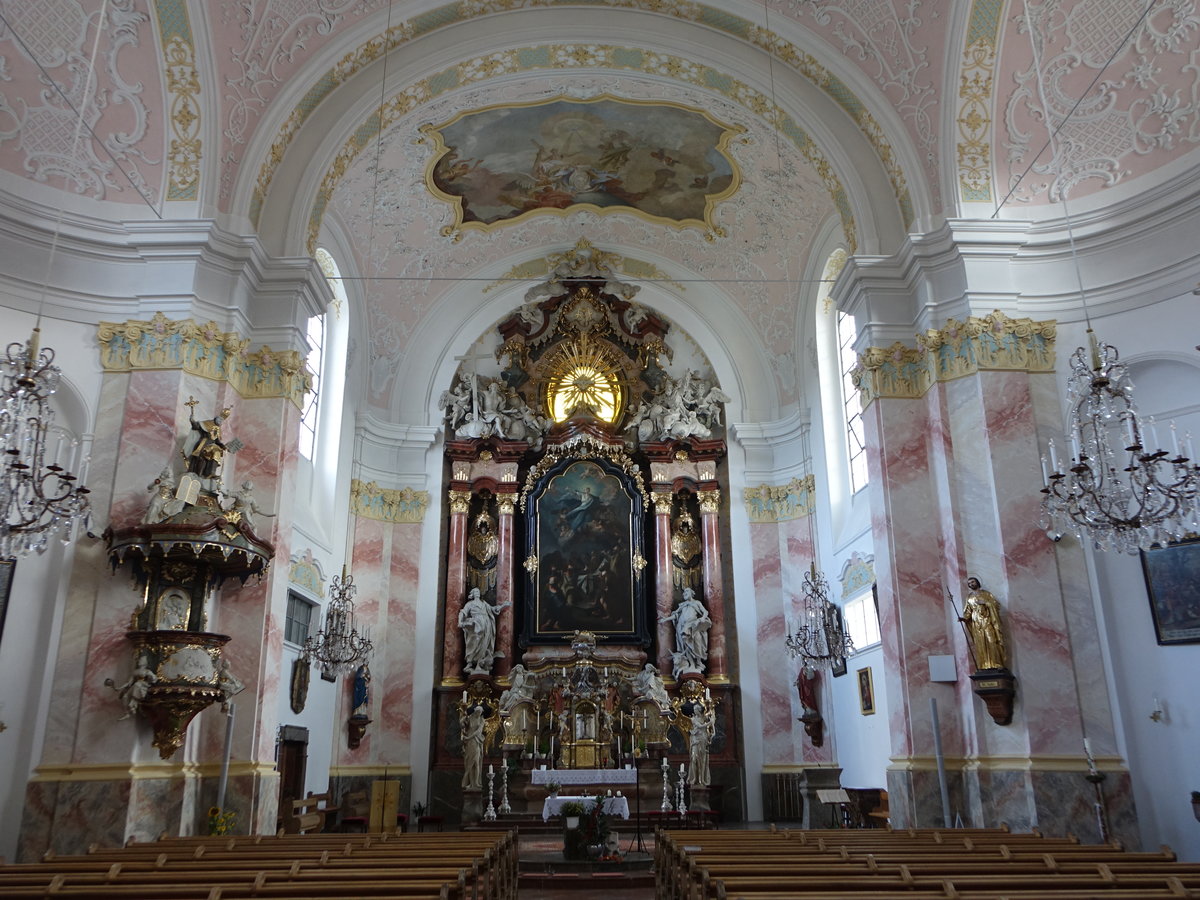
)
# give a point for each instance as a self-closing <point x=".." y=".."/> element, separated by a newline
<point x="759" y="865"/>
<point x="480" y="867"/>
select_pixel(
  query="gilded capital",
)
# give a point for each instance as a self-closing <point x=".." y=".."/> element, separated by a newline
<point x="662" y="501"/>
<point x="507" y="504"/>
<point x="710" y="501"/>
<point x="460" y="502"/>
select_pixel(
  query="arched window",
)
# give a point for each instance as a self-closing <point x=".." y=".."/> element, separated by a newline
<point x="318" y="346"/>
<point x="856" y="448"/>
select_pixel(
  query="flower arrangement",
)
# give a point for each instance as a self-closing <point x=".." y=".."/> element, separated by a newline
<point x="553" y="787"/>
<point x="221" y="821"/>
<point x="578" y="843"/>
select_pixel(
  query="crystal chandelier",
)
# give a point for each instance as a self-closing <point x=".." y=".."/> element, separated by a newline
<point x="1120" y="494"/>
<point x="338" y="647"/>
<point x="38" y="499"/>
<point x="821" y="638"/>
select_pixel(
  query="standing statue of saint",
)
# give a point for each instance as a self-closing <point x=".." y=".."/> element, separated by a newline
<point x="477" y="619"/>
<point x="208" y="452"/>
<point x="699" y="741"/>
<point x="981" y="616"/>
<point x="691" y="634"/>
<point x="471" y="721"/>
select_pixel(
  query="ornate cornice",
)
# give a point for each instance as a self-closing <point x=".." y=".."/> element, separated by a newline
<point x="203" y="350"/>
<point x="369" y="500"/>
<point x="183" y="90"/>
<point x="992" y="343"/>
<point x="781" y="503"/>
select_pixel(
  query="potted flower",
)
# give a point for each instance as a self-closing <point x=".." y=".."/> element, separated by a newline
<point x="571" y="811"/>
<point x="1196" y="805"/>
<point x="553" y="787"/>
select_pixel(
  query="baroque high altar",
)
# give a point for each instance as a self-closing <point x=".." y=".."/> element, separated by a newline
<point x="584" y="606"/>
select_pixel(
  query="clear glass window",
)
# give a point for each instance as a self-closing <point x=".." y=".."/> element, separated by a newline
<point x="852" y="405"/>
<point x="299" y="618"/>
<point x="862" y="620"/>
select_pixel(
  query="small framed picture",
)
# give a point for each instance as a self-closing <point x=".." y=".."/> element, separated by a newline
<point x="1173" y="585"/>
<point x="866" y="692"/>
<point x="838" y="667"/>
<point x="7" y="567"/>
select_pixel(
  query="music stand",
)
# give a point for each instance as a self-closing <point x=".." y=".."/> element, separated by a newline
<point x="838" y="797"/>
<point x="637" y="788"/>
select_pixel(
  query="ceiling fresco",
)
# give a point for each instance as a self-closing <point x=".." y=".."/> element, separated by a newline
<point x="664" y="162"/>
<point x="780" y="203"/>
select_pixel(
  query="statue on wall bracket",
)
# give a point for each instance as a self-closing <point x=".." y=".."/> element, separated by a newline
<point x="983" y="625"/>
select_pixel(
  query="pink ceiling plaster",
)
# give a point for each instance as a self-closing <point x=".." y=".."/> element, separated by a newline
<point x="121" y="104"/>
<point x="758" y="264"/>
<point x="898" y="44"/>
<point x="1142" y="112"/>
<point x="260" y="45"/>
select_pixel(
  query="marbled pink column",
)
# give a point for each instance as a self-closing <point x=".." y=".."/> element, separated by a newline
<point x="505" y="565"/>
<point x="456" y="584"/>
<point x="664" y="593"/>
<point x="714" y="583"/>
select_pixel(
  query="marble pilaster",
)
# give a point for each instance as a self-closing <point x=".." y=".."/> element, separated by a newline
<point x="456" y="584"/>
<point x="664" y="592"/>
<point x="506" y="505"/>
<point x="714" y="583"/>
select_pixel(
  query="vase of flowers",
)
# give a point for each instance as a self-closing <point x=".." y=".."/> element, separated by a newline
<point x="221" y="821"/>
<point x="571" y="813"/>
<point x="553" y="787"/>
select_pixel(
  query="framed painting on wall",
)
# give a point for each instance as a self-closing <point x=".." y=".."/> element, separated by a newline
<point x="866" y="692"/>
<point x="1173" y="586"/>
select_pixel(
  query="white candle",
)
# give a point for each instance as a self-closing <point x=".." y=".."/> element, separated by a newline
<point x="1154" y="445"/>
<point x="618" y="748"/>
<point x="1053" y="456"/>
<point x="1045" y="474"/>
<point x="1131" y="430"/>
<point x="707" y="694"/>
<point x="1187" y="445"/>
<point x="491" y="769"/>
<point x="464" y="696"/>
<point x="681" y="768"/>
<point x="1174" y="439"/>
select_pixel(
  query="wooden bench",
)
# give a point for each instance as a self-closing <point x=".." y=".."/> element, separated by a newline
<point x="311" y="813"/>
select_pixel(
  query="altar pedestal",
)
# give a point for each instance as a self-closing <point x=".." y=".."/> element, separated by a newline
<point x="699" y="798"/>
<point x="472" y="806"/>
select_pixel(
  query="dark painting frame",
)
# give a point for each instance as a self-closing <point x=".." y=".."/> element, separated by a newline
<point x="8" y="568"/>
<point x="590" y="557"/>
<point x="1173" y="587"/>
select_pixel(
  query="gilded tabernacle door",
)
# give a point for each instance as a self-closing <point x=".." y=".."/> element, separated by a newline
<point x="586" y="563"/>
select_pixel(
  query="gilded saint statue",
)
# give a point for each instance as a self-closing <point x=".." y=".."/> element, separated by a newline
<point x="981" y="616"/>
<point x="685" y="553"/>
<point x="482" y="548"/>
<point x="209" y="446"/>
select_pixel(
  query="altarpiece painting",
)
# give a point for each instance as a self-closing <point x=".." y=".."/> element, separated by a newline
<point x="585" y="531"/>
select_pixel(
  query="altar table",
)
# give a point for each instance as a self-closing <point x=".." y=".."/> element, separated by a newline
<point x="584" y="776"/>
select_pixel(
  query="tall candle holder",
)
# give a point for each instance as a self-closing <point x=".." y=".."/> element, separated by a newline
<point x="666" y="800"/>
<point x="680" y="787"/>
<point x="505" y="808"/>
<point x="489" y="814"/>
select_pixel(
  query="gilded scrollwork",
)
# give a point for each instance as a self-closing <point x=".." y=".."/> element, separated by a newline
<point x="710" y="501"/>
<point x="183" y="86"/>
<point x="204" y="350"/>
<point x="583" y="446"/>
<point x="994" y="342"/>
<point x="780" y="503"/>
<point x="404" y="505"/>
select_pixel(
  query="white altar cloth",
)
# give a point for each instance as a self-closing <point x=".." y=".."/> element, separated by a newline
<point x="584" y="776"/>
<point x="613" y="806"/>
